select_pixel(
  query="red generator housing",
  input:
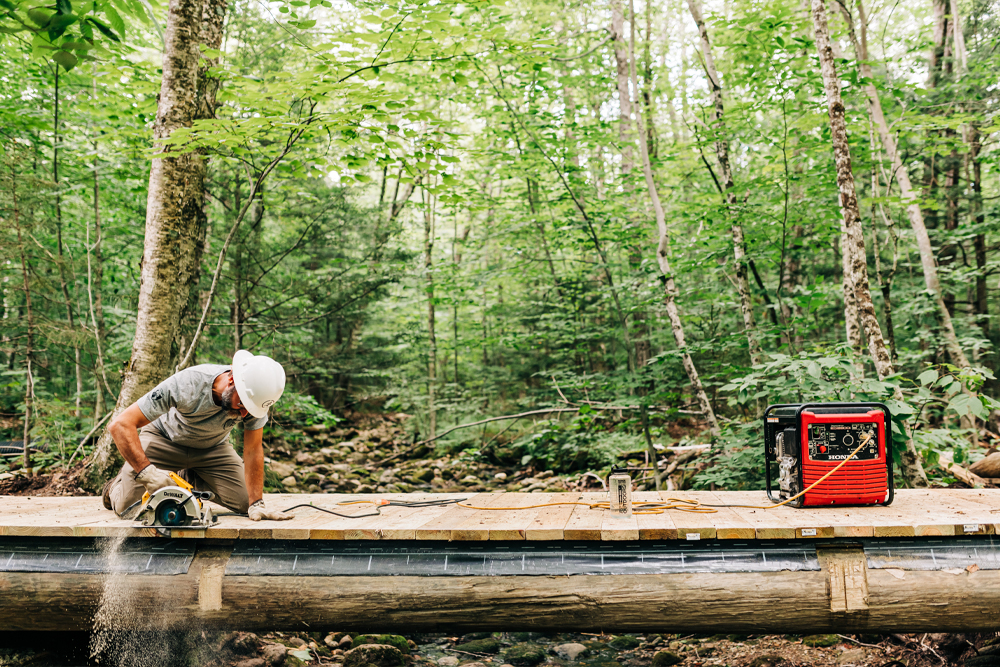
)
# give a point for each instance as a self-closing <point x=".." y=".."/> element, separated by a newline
<point x="808" y="440"/>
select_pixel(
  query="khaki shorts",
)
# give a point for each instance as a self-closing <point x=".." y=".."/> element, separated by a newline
<point x="218" y="469"/>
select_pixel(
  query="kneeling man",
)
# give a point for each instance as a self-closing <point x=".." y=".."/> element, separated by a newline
<point x="185" y="423"/>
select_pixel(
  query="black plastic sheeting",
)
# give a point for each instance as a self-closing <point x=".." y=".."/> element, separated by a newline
<point x="437" y="559"/>
<point x="86" y="556"/>
<point x="933" y="553"/>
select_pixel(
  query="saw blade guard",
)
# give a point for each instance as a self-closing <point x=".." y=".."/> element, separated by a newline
<point x="173" y="507"/>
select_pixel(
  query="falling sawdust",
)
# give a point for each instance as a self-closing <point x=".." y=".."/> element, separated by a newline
<point x="128" y="631"/>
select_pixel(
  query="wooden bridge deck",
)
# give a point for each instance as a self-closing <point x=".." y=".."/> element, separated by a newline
<point x="915" y="513"/>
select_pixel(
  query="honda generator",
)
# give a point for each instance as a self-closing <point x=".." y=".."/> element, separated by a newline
<point x="810" y="440"/>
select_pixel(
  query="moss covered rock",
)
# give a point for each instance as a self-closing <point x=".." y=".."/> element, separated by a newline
<point x="624" y="643"/>
<point x="666" y="659"/>
<point x="380" y="655"/>
<point x="390" y="640"/>
<point x="523" y="655"/>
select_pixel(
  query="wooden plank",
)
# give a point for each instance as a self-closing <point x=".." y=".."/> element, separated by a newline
<point x="654" y="526"/>
<point x="728" y="524"/>
<point x="399" y="523"/>
<point x="768" y="524"/>
<point x="550" y="522"/>
<point x="337" y="528"/>
<point x="476" y="527"/>
<point x="585" y="523"/>
<point x="690" y="525"/>
<point x="513" y="525"/>
<point x="440" y="527"/>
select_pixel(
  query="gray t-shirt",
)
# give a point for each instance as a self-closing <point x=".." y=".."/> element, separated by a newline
<point x="182" y="408"/>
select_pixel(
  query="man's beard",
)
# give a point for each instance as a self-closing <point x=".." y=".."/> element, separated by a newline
<point x="227" y="401"/>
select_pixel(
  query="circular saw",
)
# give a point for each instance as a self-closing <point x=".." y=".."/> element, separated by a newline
<point x="177" y="506"/>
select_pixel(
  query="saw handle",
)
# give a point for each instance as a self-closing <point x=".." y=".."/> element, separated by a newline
<point x="183" y="483"/>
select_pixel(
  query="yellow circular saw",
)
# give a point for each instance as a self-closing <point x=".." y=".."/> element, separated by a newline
<point x="177" y="506"/>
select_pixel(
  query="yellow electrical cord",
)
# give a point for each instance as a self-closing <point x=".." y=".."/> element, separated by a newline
<point x="679" y="504"/>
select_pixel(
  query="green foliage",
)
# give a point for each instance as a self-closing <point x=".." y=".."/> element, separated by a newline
<point x="302" y="410"/>
<point x="583" y="443"/>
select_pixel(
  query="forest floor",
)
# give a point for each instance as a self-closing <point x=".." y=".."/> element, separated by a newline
<point x="369" y="454"/>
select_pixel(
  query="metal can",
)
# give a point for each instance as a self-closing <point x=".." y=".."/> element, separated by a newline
<point x="620" y="494"/>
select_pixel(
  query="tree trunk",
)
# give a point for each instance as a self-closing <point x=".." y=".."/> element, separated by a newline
<point x="980" y="303"/>
<point x="95" y="278"/>
<point x="666" y="272"/>
<point x="626" y="138"/>
<point x="851" y="322"/>
<point x="912" y="467"/>
<point x="60" y="258"/>
<point x="29" y="346"/>
<point x="726" y="173"/>
<point x="429" y="291"/>
<point x="175" y="208"/>
<point x="902" y="176"/>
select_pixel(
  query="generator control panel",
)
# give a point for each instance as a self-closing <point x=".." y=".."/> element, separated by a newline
<point x="835" y="442"/>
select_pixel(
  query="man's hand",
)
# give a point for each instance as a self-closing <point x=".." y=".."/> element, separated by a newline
<point x="258" y="512"/>
<point x="153" y="479"/>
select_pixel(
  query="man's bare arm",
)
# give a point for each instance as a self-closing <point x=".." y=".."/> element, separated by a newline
<point x="124" y="431"/>
<point x="253" y="463"/>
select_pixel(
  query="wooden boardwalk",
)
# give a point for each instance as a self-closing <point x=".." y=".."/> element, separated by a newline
<point x="915" y="513"/>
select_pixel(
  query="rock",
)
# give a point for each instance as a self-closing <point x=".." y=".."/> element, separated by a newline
<point x="769" y="660"/>
<point x="485" y="645"/>
<point x="525" y="655"/>
<point x="570" y="651"/>
<point x="297" y="642"/>
<point x="544" y="475"/>
<point x="472" y="636"/>
<point x="281" y="469"/>
<point x="305" y="459"/>
<point x="333" y="639"/>
<point x="624" y="643"/>
<point x="987" y="467"/>
<point x="500" y="476"/>
<point x="448" y="661"/>
<point x="274" y="654"/>
<point x="397" y="641"/>
<point x="316" y="428"/>
<point x="666" y="659"/>
<point x="525" y="636"/>
<point x="289" y="481"/>
<point x="242" y="643"/>
<point x="851" y="656"/>
<point x="470" y="479"/>
<point x="380" y="655"/>
<point x="474" y="664"/>
<point x="821" y="640"/>
<point x="251" y="662"/>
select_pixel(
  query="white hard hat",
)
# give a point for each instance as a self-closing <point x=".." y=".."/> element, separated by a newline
<point x="259" y="381"/>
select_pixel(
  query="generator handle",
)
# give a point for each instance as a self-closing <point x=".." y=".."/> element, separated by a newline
<point x="768" y="459"/>
<point x="888" y="436"/>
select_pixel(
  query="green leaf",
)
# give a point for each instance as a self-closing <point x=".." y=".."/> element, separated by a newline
<point x="301" y="654"/>
<point x="927" y="377"/>
<point x="813" y="368"/>
<point x="57" y="26"/>
<point x="64" y="7"/>
<point x="7" y="5"/>
<point x="40" y="18"/>
<point x="66" y="59"/>
<point x="105" y="30"/>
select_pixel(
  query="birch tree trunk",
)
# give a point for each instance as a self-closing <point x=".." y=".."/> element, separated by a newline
<point x="900" y="174"/>
<point x="429" y="291"/>
<point x="666" y="272"/>
<point x="852" y="324"/>
<point x="175" y="208"/>
<point x="912" y="467"/>
<point x="626" y="137"/>
<point x="726" y="174"/>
